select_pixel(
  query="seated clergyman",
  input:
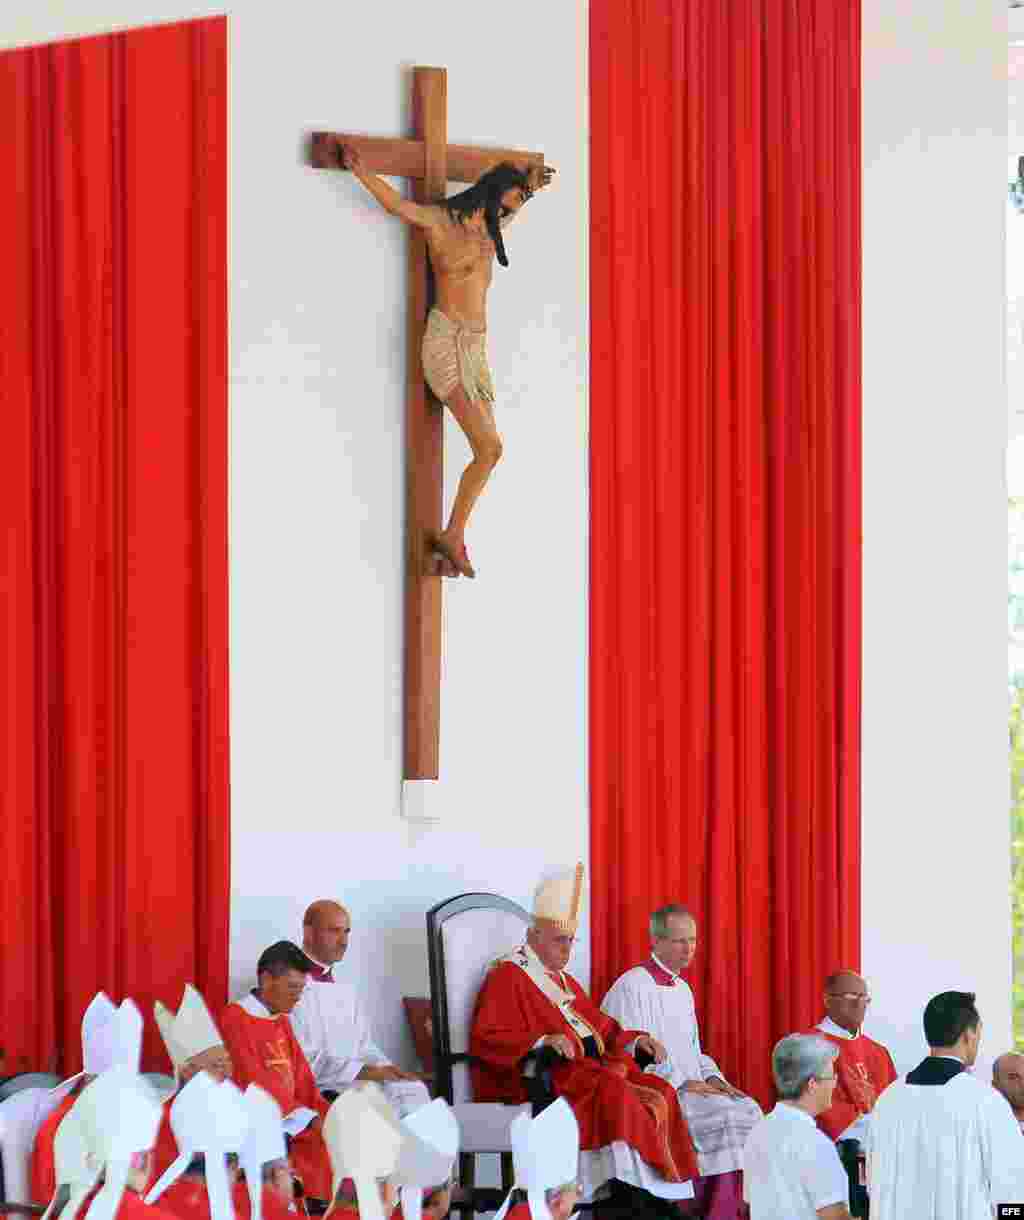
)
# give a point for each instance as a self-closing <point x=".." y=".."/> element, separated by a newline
<point x="864" y="1067"/>
<point x="110" y="1038"/>
<point x="115" y="1120"/>
<point x="632" y="1130"/>
<point x="331" y="1023"/>
<point x="654" y="997"/>
<point x="790" y="1168"/>
<point x="194" y="1044"/>
<point x="1008" y="1079"/>
<point x="380" y="1162"/>
<point x="264" y="1051"/>
<point x="210" y="1120"/>
<point x="545" y="1155"/>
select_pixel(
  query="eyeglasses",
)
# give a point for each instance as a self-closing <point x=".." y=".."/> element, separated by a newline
<point x="850" y="995"/>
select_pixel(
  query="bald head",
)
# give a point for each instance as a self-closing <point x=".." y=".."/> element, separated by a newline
<point x="1008" y="1078"/>
<point x="846" y="999"/>
<point x="325" y="931"/>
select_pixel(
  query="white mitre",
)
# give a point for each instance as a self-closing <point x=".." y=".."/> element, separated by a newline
<point x="545" y="1154"/>
<point x="111" y="1037"/>
<point x="212" y="1119"/>
<point x="264" y="1142"/>
<point x="189" y="1031"/>
<point x="119" y="1116"/>
<point x="558" y="899"/>
<point x="364" y="1139"/>
<point x="430" y="1143"/>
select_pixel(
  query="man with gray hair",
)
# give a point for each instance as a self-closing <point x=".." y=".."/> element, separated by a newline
<point x="654" y="996"/>
<point x="791" y="1170"/>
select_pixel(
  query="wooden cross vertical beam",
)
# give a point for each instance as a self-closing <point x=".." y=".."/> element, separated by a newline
<point x="424" y="445"/>
<point x="431" y="163"/>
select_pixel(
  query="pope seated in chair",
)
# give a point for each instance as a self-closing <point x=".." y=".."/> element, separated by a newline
<point x="632" y="1132"/>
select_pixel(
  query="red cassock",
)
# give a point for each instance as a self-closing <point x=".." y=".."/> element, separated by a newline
<point x="131" y="1207"/>
<point x="165" y="1153"/>
<point x="611" y="1098"/>
<point x="264" y="1052"/>
<point x="864" y="1068"/>
<point x="43" y="1175"/>
<point x="346" y="1209"/>
<point x="187" y="1199"/>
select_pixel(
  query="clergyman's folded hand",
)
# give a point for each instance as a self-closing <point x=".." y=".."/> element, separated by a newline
<point x="699" y="1088"/>
<point x="652" y="1047"/>
<point x="562" y="1044"/>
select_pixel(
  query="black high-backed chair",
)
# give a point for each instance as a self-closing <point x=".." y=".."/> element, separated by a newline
<point x="464" y="935"/>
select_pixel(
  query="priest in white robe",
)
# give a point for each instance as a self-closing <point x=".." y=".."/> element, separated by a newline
<point x="332" y="1025"/>
<point x="654" y="997"/>
<point x="943" y="1145"/>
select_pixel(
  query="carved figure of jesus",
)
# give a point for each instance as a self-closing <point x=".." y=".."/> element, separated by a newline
<point x="463" y="235"/>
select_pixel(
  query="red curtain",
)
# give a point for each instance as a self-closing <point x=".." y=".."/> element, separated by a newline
<point x="725" y="500"/>
<point x="114" y="831"/>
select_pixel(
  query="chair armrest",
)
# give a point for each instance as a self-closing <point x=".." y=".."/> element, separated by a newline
<point x="536" y="1068"/>
<point x="643" y="1058"/>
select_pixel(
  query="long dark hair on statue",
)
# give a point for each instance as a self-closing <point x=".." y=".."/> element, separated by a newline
<point x="486" y="193"/>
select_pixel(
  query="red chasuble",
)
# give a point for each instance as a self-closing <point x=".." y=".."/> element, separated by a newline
<point x="350" y="1210"/>
<point x="43" y="1175"/>
<point x="187" y="1199"/>
<point x="611" y="1098"/>
<point x="864" y="1068"/>
<point x="166" y="1151"/>
<point x="264" y="1052"/>
<point x="131" y="1207"/>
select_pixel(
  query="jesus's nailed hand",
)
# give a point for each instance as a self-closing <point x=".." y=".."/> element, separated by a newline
<point x="349" y="158"/>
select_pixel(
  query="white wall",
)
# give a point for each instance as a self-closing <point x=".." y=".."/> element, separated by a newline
<point x="317" y="360"/>
<point x="935" y="779"/>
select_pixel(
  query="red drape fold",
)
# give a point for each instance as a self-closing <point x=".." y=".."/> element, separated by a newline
<point x="725" y="500"/>
<point x="114" y="830"/>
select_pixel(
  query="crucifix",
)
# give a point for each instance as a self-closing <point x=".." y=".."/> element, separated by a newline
<point x="431" y="552"/>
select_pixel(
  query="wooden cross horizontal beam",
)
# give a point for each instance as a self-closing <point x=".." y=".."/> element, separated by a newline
<point x="407" y="158"/>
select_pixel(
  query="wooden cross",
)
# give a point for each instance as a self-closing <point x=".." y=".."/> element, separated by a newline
<point x="431" y="163"/>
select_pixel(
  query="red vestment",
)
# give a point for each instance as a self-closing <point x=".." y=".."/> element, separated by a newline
<point x="131" y="1207"/>
<point x="264" y="1052"/>
<point x="187" y="1199"/>
<point x="611" y="1098"/>
<point x="165" y="1152"/>
<point x="344" y="1209"/>
<point x="864" y="1068"/>
<point x="43" y="1175"/>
